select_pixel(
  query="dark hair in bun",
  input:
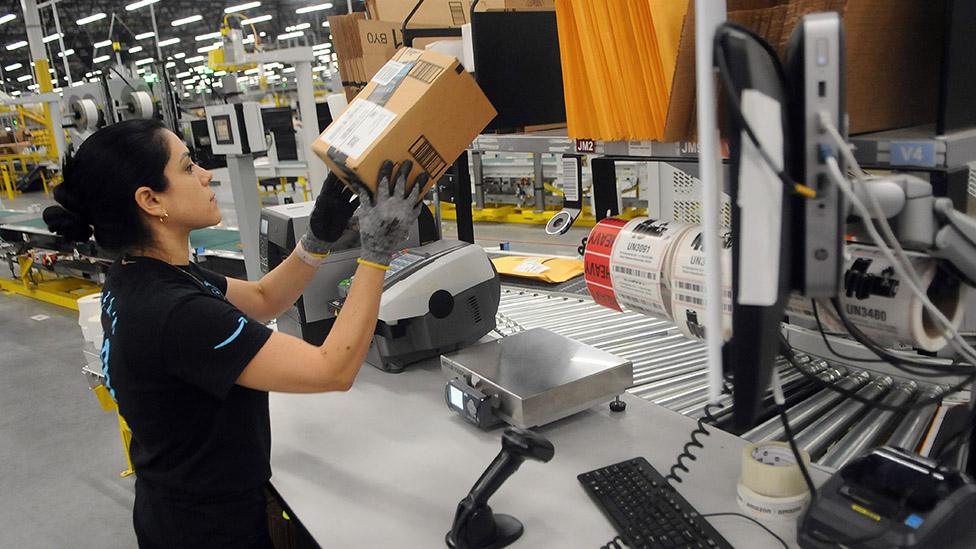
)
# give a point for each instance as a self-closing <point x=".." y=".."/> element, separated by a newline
<point x="100" y="181"/>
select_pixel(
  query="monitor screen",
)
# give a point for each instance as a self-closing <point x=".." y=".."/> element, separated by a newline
<point x="222" y="131"/>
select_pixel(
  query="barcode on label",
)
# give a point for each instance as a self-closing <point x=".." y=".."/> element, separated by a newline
<point x="689" y="299"/>
<point x="690" y="286"/>
<point x="388" y="72"/>
<point x="425" y="72"/>
<point x="427" y="156"/>
<point x="457" y="13"/>
<point x="570" y="180"/>
<point x="358" y="127"/>
<point x="635" y="272"/>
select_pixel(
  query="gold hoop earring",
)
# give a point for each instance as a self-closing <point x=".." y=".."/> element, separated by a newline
<point x="164" y="217"/>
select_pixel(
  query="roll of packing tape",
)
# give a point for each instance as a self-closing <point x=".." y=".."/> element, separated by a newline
<point x="85" y="113"/>
<point x="771" y="485"/>
<point x="876" y="301"/>
<point x="686" y="280"/>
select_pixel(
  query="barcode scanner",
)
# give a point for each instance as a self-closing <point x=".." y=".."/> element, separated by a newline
<point x="475" y="525"/>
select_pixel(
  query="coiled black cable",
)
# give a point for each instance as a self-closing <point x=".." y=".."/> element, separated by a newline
<point x="687" y="455"/>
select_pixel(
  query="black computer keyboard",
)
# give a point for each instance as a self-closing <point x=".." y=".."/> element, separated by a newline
<point x="646" y="510"/>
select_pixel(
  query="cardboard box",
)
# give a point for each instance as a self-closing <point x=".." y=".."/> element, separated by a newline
<point x="432" y="13"/>
<point x="421" y="106"/>
<point x="893" y="58"/>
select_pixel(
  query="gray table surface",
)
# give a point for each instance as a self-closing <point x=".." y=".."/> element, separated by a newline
<point x="385" y="464"/>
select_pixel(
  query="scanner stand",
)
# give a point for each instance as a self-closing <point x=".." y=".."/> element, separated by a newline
<point x="475" y="525"/>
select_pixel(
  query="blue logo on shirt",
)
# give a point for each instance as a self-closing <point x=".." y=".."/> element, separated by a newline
<point x="240" y="327"/>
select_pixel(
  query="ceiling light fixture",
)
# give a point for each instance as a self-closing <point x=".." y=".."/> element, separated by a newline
<point x="16" y="45"/>
<point x="187" y="20"/>
<point x="91" y="18"/>
<point x="256" y="20"/>
<point x="309" y="9"/>
<point x="140" y="4"/>
<point x="169" y="42"/>
<point x="242" y="7"/>
<point x="145" y="35"/>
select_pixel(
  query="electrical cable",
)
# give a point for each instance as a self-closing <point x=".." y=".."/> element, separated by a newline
<point x="823" y="335"/>
<point x="747" y="517"/>
<point x="790" y="356"/>
<point x="910" y="278"/>
<point x="732" y="94"/>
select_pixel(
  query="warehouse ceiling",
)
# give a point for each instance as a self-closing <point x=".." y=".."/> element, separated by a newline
<point x="132" y="27"/>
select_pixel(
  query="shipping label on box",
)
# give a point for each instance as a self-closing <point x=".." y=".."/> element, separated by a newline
<point x="420" y="106"/>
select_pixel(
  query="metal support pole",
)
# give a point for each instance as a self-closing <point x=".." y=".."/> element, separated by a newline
<point x="35" y="38"/>
<point x="709" y="14"/>
<point x="159" y="51"/>
<point x="247" y="203"/>
<point x="479" y="179"/>
<point x="538" y="184"/>
<point x="462" y="199"/>
<point x="310" y="124"/>
<point x="57" y="29"/>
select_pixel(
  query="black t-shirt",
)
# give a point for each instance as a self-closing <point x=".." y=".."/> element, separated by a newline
<point x="173" y="350"/>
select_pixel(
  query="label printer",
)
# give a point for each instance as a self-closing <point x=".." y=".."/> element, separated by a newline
<point x="279" y="231"/>
<point x="437" y="298"/>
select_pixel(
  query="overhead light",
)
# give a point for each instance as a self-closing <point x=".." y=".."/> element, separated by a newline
<point x="91" y="18"/>
<point x="187" y="20"/>
<point x="7" y="18"/>
<point x="251" y="71"/>
<point x="273" y="65"/>
<point x="183" y="74"/>
<point x="218" y="74"/>
<point x="317" y="7"/>
<point x="145" y="35"/>
<point x="13" y="67"/>
<point x="76" y="84"/>
<point x="15" y="93"/>
<point x="102" y="44"/>
<point x="66" y="53"/>
<point x="256" y="20"/>
<point x="32" y="87"/>
<point x="16" y="45"/>
<point x="168" y="42"/>
<point x="248" y="40"/>
<point x="24" y="78"/>
<point x="140" y="4"/>
<point x="208" y="36"/>
<point x="171" y="64"/>
<point x="288" y="69"/>
<point x="320" y="68"/>
<point x="194" y="59"/>
<point x="101" y="58"/>
<point x="56" y="90"/>
<point x="323" y="45"/>
<point x="211" y="47"/>
<point x="180" y="55"/>
<point x="272" y="77"/>
<point x="135" y="49"/>
<point x="51" y="37"/>
<point x="141" y="71"/>
<point x="242" y="7"/>
<point x="144" y="61"/>
<point x="298" y="27"/>
<point x="289" y="35"/>
<point x="325" y="23"/>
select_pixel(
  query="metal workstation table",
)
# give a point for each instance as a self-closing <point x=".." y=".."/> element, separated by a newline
<point x="385" y="465"/>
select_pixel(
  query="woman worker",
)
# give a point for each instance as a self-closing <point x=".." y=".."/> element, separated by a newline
<point x="186" y="354"/>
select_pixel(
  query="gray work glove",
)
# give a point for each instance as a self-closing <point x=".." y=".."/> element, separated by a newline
<point x="384" y="223"/>
<point x="332" y="225"/>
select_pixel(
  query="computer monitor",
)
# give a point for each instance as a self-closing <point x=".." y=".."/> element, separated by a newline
<point x="755" y="93"/>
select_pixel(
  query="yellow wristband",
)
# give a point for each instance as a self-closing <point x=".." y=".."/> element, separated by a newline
<point x="362" y="261"/>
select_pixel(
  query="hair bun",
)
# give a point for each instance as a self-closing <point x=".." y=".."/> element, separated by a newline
<point x="67" y="224"/>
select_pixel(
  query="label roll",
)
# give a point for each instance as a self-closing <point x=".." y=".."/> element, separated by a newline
<point x="627" y="264"/>
<point x="876" y="301"/>
<point x="686" y="280"/>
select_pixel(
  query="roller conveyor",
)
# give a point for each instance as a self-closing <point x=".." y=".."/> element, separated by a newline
<point x="671" y="370"/>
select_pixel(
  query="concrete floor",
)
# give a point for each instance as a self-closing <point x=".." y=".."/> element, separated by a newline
<point x="60" y="454"/>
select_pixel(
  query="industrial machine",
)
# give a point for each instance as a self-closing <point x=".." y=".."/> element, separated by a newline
<point x="310" y="317"/>
<point x="437" y="298"/>
<point x="892" y="498"/>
